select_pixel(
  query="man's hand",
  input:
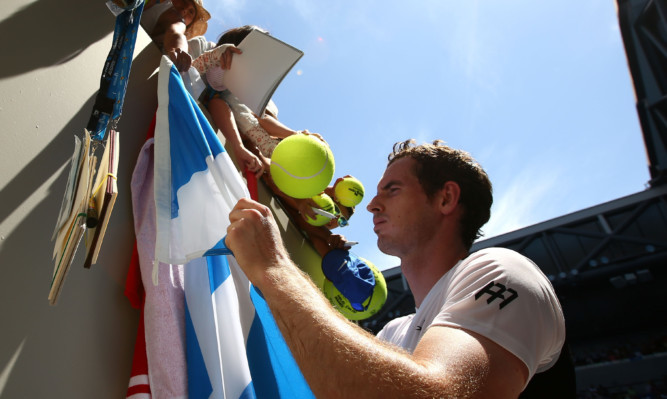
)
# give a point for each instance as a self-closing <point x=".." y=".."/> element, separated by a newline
<point x="254" y="238"/>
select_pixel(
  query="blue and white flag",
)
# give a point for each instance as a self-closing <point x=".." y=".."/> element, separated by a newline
<point x="196" y="183"/>
<point x="234" y="347"/>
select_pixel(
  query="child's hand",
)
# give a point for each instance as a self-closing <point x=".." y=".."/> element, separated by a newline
<point x="249" y="161"/>
<point x="336" y="241"/>
<point x="226" y="57"/>
<point x="181" y="59"/>
<point x="305" y="208"/>
<point x="331" y="190"/>
<point x="316" y="135"/>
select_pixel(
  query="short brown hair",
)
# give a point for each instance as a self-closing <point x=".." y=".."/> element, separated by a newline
<point x="437" y="164"/>
<point x="236" y="35"/>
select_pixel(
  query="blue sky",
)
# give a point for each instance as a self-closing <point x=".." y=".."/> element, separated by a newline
<point x="539" y="92"/>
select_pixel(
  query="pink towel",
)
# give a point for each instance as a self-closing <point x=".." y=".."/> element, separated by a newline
<point x="164" y="317"/>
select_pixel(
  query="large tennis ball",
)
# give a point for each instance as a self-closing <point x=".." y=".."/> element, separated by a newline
<point x="302" y="166"/>
<point x="372" y="305"/>
<point x="349" y="191"/>
<point x="325" y="203"/>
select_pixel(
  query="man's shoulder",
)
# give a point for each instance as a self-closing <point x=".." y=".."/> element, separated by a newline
<point x="499" y="267"/>
<point x="498" y="255"/>
<point x="496" y="251"/>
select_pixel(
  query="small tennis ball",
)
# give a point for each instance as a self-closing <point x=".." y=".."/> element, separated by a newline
<point x="349" y="191"/>
<point x="302" y="166"/>
<point x="373" y="304"/>
<point x="325" y="203"/>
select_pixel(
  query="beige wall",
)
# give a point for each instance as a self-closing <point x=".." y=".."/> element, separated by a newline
<point x="52" y="56"/>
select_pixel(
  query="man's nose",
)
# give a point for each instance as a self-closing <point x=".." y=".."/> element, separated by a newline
<point x="373" y="205"/>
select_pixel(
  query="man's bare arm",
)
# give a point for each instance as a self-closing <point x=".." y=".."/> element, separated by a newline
<point x="339" y="359"/>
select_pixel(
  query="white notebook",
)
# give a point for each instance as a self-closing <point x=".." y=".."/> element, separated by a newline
<point x="257" y="72"/>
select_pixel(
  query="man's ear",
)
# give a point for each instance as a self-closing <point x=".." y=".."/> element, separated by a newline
<point x="449" y="197"/>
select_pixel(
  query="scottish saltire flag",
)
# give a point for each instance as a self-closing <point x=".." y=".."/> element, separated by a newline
<point x="234" y="348"/>
<point x="225" y="313"/>
<point x="196" y="183"/>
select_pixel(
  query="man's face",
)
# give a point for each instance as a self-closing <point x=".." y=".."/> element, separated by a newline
<point x="403" y="216"/>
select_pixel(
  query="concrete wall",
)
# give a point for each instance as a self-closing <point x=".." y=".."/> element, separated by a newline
<point x="52" y="58"/>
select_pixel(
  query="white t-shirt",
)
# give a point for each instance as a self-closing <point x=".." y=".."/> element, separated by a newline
<point x="497" y="293"/>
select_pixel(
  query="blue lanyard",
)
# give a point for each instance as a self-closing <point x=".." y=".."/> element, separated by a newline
<point x="116" y="73"/>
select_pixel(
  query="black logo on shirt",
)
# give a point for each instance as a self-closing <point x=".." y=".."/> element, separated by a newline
<point x="419" y="326"/>
<point x="497" y="290"/>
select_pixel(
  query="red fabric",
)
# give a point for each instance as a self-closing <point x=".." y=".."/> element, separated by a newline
<point x="151" y="128"/>
<point x="252" y="184"/>
<point x="134" y="291"/>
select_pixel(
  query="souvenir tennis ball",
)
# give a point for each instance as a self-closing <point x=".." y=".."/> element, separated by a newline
<point x="302" y="166"/>
<point x="349" y="191"/>
<point x="325" y="203"/>
<point x="372" y="305"/>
